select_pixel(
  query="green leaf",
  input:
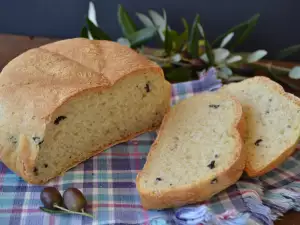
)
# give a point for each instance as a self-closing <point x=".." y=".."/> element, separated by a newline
<point x="193" y="39"/>
<point x="180" y="39"/>
<point x="92" y="15"/>
<point x="208" y="56"/>
<point x="288" y="51"/>
<point x="185" y="34"/>
<point x="140" y="37"/>
<point x="84" y="32"/>
<point x="145" y="20"/>
<point x="201" y="30"/>
<point x="220" y="55"/>
<point x="159" y="21"/>
<point x="175" y="37"/>
<point x="185" y="24"/>
<point x="234" y="59"/>
<point x="96" y="32"/>
<point x="239" y="63"/>
<point x="224" y="73"/>
<point x="245" y="34"/>
<point x="209" y="52"/>
<point x="124" y="41"/>
<point x="208" y="49"/>
<point x="295" y="73"/>
<point x="226" y="40"/>
<point x="126" y="23"/>
<point x="53" y="211"/>
<point x="256" y="56"/>
<point x="176" y="57"/>
<point x="238" y="29"/>
<point x="180" y="74"/>
<point x="168" y="41"/>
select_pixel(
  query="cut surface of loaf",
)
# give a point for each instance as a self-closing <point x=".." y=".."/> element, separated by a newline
<point x="196" y="154"/>
<point x="67" y="101"/>
<point x="272" y="122"/>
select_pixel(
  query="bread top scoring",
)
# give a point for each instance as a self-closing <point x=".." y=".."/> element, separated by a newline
<point x="38" y="81"/>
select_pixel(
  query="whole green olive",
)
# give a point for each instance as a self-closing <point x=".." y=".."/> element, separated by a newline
<point x="74" y="200"/>
<point x="50" y="196"/>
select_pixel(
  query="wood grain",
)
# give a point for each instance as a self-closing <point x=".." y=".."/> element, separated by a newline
<point x="13" y="45"/>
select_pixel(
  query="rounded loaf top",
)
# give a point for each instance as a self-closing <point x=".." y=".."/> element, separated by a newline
<point x="41" y="79"/>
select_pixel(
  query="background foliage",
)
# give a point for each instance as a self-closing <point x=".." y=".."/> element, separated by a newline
<point x="184" y="56"/>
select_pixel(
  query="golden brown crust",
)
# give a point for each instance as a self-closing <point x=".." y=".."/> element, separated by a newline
<point x="42" y="79"/>
<point x="53" y="73"/>
<point x="111" y="60"/>
<point x="197" y="192"/>
<point x="284" y="156"/>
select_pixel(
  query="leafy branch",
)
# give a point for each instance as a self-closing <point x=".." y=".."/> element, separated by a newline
<point x="183" y="56"/>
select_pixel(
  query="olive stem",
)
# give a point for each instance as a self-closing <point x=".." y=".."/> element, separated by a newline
<point x="73" y="212"/>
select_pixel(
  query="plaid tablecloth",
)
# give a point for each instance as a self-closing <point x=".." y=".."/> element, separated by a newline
<point x="108" y="182"/>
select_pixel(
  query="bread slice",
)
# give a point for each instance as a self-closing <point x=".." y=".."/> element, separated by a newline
<point x="67" y="101"/>
<point x="196" y="154"/>
<point x="272" y="122"/>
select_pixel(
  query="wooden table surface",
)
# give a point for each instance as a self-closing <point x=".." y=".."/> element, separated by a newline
<point x="13" y="45"/>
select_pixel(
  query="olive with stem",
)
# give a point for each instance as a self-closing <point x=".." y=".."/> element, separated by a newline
<point x="72" y="199"/>
<point x="50" y="197"/>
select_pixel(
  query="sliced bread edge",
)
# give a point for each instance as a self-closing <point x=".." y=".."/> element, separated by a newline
<point x="202" y="190"/>
<point x="251" y="172"/>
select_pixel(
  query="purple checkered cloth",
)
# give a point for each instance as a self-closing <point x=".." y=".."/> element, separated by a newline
<point x="108" y="182"/>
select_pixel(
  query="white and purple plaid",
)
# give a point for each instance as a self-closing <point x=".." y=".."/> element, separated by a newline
<point x="108" y="182"/>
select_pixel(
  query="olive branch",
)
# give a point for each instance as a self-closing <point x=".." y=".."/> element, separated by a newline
<point x="185" y="55"/>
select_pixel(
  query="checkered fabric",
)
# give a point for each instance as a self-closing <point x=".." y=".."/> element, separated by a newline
<point x="108" y="182"/>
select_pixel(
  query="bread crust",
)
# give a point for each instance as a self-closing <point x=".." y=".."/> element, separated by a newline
<point x="41" y="80"/>
<point x="200" y="191"/>
<point x="287" y="152"/>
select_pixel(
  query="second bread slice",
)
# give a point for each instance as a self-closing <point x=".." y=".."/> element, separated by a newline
<point x="196" y="154"/>
<point x="272" y="122"/>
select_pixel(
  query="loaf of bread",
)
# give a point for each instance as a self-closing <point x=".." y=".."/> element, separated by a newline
<point x="272" y="122"/>
<point x="64" y="102"/>
<point x="197" y="153"/>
